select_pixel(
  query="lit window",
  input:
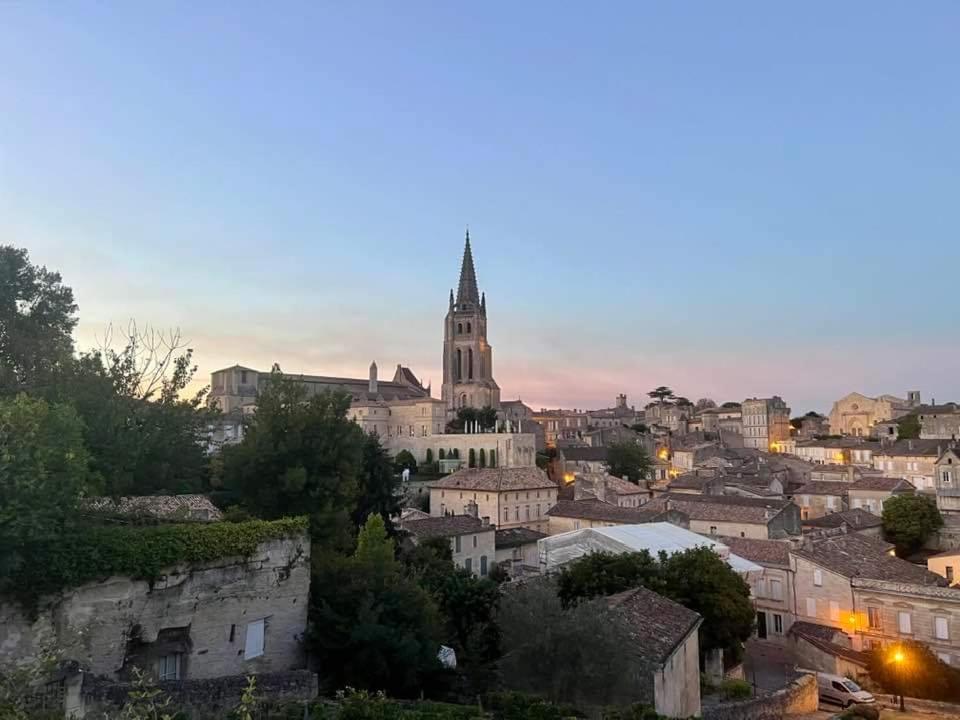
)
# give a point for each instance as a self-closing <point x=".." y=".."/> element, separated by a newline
<point x="874" y="619"/>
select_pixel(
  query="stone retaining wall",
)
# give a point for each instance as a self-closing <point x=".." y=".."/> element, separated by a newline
<point x="797" y="698"/>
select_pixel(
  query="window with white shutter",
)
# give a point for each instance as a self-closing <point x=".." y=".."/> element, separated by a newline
<point x="941" y="628"/>
<point x="904" y="621"/>
<point x="817" y="578"/>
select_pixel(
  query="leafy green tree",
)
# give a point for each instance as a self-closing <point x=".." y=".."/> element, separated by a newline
<point x="299" y="455"/>
<point x="920" y="673"/>
<point x="909" y="520"/>
<point x="483" y="458"/>
<point x="405" y="460"/>
<point x="143" y="434"/>
<point x="578" y="657"/>
<point x="429" y="456"/>
<point x="43" y="475"/>
<point x="442" y="454"/>
<point x="493" y="458"/>
<point x="37" y="317"/>
<point x="472" y="458"/>
<point x="379" y="486"/>
<point x="661" y="394"/>
<point x="371" y="627"/>
<point x="468" y="416"/>
<point x="603" y="574"/>
<point x="908" y="427"/>
<point x="705" y="404"/>
<point x="628" y="459"/>
<point x="730" y="405"/>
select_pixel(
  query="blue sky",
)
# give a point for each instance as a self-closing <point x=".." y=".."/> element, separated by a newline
<point x="730" y="198"/>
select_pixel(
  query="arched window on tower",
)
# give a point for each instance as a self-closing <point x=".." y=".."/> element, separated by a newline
<point x="459" y="328"/>
<point x="458" y="370"/>
<point x="470" y="363"/>
<point x="469" y="328"/>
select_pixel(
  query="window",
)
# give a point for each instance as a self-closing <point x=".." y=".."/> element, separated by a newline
<point x="941" y="628"/>
<point x="474" y="540"/>
<point x="778" y="624"/>
<point x="904" y="622"/>
<point x="818" y="578"/>
<point x="243" y="377"/>
<point x="168" y="667"/>
<point x="874" y="619"/>
<point x="834" y="610"/>
<point x="713" y="529"/>
<point x="468" y="564"/>
<point x="517" y="513"/>
<point x="950" y="574"/>
<point x="456" y="544"/>
<point x="527" y="510"/>
<point x="811" y="607"/>
<point x="506" y="514"/>
<point x="254" y="644"/>
<point x="483" y="564"/>
<point x="776" y="589"/>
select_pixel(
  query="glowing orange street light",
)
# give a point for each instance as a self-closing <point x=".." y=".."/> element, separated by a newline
<point x="898" y="659"/>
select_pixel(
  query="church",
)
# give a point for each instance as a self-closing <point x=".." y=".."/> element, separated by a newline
<point x="402" y="406"/>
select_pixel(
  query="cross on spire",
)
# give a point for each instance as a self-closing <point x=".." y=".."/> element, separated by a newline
<point x="467" y="294"/>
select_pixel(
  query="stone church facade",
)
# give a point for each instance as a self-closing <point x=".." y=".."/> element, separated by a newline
<point x="467" y="356"/>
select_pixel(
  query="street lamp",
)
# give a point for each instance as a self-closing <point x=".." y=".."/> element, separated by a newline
<point x="898" y="658"/>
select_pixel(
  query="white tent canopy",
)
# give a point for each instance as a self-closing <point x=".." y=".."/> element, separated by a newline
<point x="558" y="550"/>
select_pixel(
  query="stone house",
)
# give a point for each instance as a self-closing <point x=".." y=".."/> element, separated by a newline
<point x="582" y="460"/>
<point x="766" y="421"/>
<point x="836" y="451"/>
<point x="516" y="550"/>
<point x="472" y="540"/>
<point x="853" y="520"/>
<point x="772" y="591"/>
<point x="569" y="515"/>
<point x="939" y="422"/>
<point x="819" y="498"/>
<point x="947" y="474"/>
<point x="871" y="491"/>
<point x="562" y="424"/>
<point x="505" y="497"/>
<point x="833" y="472"/>
<point x="855" y="584"/>
<point x="913" y="460"/>
<point x="857" y="414"/>
<point x="664" y="637"/>
<point x="610" y="489"/>
<point x="733" y="516"/>
<point x="197" y="627"/>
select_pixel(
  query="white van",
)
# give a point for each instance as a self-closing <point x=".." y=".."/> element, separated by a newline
<point x="842" y="691"/>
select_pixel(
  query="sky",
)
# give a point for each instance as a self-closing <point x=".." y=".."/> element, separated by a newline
<point x="733" y="199"/>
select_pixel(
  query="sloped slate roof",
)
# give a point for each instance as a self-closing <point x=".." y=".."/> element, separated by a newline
<point x="656" y="624"/>
<point x="495" y="479"/>
<point x="514" y="537"/>
<point x="728" y="508"/>
<point x="585" y="454"/>
<point x="888" y="484"/>
<point x="762" y="552"/>
<point x="824" y="487"/>
<point x="856" y="519"/>
<point x="446" y="526"/>
<point x="856" y="555"/>
<point x="598" y="510"/>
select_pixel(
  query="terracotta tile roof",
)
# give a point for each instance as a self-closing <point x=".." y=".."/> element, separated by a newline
<point x="724" y="507"/>
<point x="162" y="507"/>
<point x="621" y="486"/>
<point x="690" y="481"/>
<point x="446" y="526"/>
<point x="882" y="483"/>
<point x="824" y="487"/>
<point x="762" y="552"/>
<point x="495" y="479"/>
<point x="597" y="510"/>
<point x="856" y="555"/>
<point x="855" y="519"/>
<point x="514" y="537"/>
<point x="656" y="624"/>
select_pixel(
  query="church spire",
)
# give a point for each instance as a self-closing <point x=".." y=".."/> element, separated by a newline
<point x="467" y="294"/>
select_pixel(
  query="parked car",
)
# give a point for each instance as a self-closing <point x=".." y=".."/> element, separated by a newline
<point x="842" y="691"/>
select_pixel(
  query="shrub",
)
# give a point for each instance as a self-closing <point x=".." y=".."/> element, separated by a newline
<point x="520" y="706"/>
<point x="429" y="456"/>
<point x="483" y="458"/>
<point x="442" y="454"/>
<point x="493" y="458"/>
<point x="637" y="711"/>
<point x="472" y="458"/>
<point x="405" y="461"/>
<point x="735" y="689"/>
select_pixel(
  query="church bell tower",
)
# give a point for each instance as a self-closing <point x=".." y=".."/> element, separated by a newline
<point x="467" y="356"/>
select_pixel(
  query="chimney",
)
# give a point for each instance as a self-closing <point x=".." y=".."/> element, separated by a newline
<point x="471" y="509"/>
<point x="373" y="378"/>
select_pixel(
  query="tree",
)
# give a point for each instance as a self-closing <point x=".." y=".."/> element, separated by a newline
<point x="37" y="317"/>
<point x="143" y="434"/>
<point x="604" y="574"/>
<point x="429" y="456"/>
<point x="640" y="428"/>
<point x="472" y="458"/>
<point x="730" y="405"/>
<point x="493" y="458"/>
<point x="405" y="460"/>
<point x="580" y="656"/>
<point x="796" y="423"/>
<point x="379" y="486"/>
<point x="628" y="459"/>
<point x="442" y="454"/>
<point x="468" y="417"/>
<point x="371" y="627"/>
<point x="482" y="458"/>
<point x="680" y="400"/>
<point x="661" y="394"/>
<point x="909" y="520"/>
<point x="919" y="673"/>
<point x="705" y="404"/>
<point x="43" y="475"/>
<point x="908" y="427"/>
<point x="299" y="455"/>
